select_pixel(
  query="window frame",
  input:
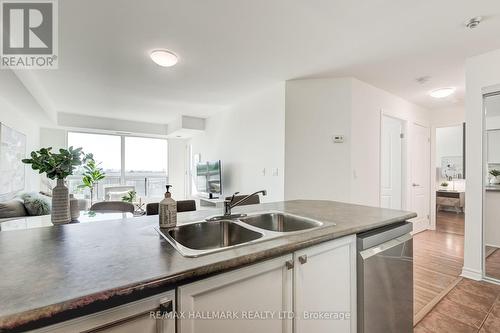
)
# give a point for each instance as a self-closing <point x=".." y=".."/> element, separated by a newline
<point x="123" y="136"/>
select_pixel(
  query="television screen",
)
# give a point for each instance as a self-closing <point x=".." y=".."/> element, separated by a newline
<point x="208" y="177"/>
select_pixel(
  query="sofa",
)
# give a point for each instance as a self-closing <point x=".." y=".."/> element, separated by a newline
<point x="25" y="204"/>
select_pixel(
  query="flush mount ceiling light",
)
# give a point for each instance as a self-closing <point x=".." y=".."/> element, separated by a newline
<point x="442" y="92"/>
<point x="164" y="58"/>
<point x="473" y="22"/>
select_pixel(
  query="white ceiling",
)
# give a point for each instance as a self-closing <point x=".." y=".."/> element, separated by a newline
<point x="231" y="48"/>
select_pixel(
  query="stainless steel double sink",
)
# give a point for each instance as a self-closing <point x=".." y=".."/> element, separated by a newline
<point x="205" y="237"/>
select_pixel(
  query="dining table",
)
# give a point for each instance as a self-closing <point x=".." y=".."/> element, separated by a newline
<point x="86" y="216"/>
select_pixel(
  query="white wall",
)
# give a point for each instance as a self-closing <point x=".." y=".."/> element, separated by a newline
<point x="248" y="138"/>
<point x="71" y="120"/>
<point x="53" y="137"/>
<point x="317" y="109"/>
<point x="482" y="72"/>
<point x="449" y="142"/>
<point x="316" y="167"/>
<point x="20" y="111"/>
<point x="368" y="105"/>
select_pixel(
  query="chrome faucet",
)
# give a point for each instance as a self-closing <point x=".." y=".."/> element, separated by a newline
<point x="230" y="204"/>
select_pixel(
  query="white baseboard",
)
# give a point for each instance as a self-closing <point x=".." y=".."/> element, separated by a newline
<point x="491" y="280"/>
<point x="472" y="274"/>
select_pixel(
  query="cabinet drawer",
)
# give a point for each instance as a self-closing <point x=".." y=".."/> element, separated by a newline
<point x="448" y="195"/>
<point x="128" y="318"/>
<point x="448" y="202"/>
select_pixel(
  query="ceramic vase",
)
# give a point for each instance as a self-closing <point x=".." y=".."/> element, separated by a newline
<point x="74" y="208"/>
<point x="60" y="203"/>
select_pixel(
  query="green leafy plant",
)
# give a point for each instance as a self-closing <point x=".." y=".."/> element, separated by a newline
<point x="56" y="165"/>
<point x="92" y="174"/>
<point x="495" y="172"/>
<point x="444" y="184"/>
<point x="130" y="196"/>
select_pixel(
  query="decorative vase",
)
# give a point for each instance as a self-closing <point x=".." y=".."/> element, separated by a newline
<point x="60" y="204"/>
<point x="74" y="209"/>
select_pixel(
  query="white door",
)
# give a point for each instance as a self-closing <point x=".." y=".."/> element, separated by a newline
<point x="391" y="163"/>
<point x="325" y="287"/>
<point x="420" y="176"/>
<point x="251" y="294"/>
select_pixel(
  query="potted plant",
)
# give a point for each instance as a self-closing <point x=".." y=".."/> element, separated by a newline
<point x="129" y="197"/>
<point x="495" y="173"/>
<point x="444" y="185"/>
<point x="92" y="174"/>
<point x="57" y="166"/>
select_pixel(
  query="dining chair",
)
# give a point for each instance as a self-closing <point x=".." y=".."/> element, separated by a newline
<point x="182" y="206"/>
<point x="113" y="206"/>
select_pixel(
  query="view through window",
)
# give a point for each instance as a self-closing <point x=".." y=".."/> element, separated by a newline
<point x="127" y="160"/>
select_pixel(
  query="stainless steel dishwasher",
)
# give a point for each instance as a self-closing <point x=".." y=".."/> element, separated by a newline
<point x="385" y="280"/>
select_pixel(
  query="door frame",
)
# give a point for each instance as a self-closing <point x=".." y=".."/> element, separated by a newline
<point x="434" y="186"/>
<point x="404" y="158"/>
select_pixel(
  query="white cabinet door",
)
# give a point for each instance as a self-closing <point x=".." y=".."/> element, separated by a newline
<point x="325" y="285"/>
<point x="258" y="290"/>
<point x="129" y="318"/>
<point x="494" y="146"/>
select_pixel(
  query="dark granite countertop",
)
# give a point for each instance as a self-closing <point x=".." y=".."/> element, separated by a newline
<point x="54" y="273"/>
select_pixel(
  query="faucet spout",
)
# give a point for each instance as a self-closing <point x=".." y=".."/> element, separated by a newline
<point x="230" y="204"/>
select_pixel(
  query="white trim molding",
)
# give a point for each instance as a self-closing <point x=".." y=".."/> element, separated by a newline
<point x="472" y="274"/>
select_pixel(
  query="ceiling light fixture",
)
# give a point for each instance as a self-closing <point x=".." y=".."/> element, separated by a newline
<point x="164" y="58"/>
<point x="473" y="22"/>
<point x="442" y="92"/>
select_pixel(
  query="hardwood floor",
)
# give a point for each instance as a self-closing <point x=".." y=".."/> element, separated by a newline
<point x="450" y="222"/>
<point x="438" y="261"/>
<point x="471" y="306"/>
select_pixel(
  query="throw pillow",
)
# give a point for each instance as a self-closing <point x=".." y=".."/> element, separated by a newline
<point x="12" y="208"/>
<point x="37" y="205"/>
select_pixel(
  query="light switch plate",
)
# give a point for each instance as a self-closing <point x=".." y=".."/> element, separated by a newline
<point x="338" y="138"/>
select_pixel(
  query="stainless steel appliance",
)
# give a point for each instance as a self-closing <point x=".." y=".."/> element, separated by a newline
<point x="385" y="280"/>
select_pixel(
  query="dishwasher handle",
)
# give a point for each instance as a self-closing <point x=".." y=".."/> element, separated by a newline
<point x="365" y="254"/>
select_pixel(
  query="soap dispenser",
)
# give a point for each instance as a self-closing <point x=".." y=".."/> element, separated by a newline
<point x="168" y="210"/>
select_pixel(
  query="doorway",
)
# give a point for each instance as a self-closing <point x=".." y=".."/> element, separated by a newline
<point x="450" y="179"/>
<point x="438" y="254"/>
<point x="392" y="163"/>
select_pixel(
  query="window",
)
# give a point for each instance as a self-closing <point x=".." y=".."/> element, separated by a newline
<point x="126" y="160"/>
<point x="146" y="165"/>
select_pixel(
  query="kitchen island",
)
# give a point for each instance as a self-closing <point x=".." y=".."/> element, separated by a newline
<point x="53" y="274"/>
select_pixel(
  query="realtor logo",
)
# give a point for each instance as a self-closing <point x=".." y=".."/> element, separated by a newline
<point x="29" y="34"/>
